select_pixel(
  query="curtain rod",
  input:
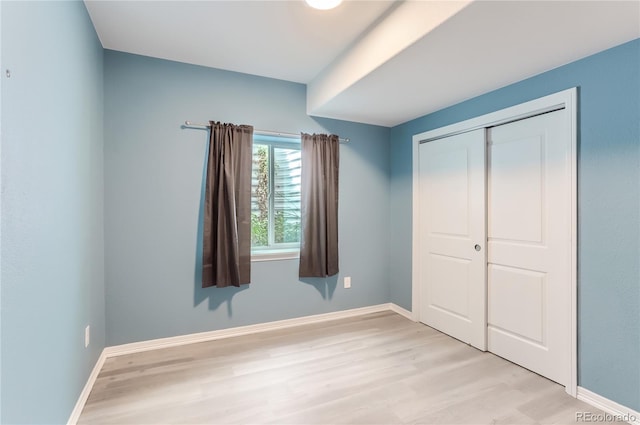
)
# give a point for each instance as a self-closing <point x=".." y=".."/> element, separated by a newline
<point x="262" y="132"/>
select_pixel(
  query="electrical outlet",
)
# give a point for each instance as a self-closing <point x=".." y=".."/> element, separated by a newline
<point x="87" y="336"/>
<point x="347" y="282"/>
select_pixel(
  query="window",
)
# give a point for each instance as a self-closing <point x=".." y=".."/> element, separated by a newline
<point x="275" y="196"/>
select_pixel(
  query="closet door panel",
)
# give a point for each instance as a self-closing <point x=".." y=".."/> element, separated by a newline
<point x="529" y="205"/>
<point x="452" y="210"/>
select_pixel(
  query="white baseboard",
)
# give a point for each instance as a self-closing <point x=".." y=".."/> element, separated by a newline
<point x="174" y="341"/>
<point x="401" y="311"/>
<point x="609" y="406"/>
<point x="154" y="344"/>
<point x="84" y="395"/>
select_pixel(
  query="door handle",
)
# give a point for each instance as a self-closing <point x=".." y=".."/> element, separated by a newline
<point x="477" y="247"/>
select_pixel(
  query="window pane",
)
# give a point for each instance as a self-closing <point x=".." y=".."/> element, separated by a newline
<point x="287" y="164"/>
<point x="260" y="196"/>
<point x="275" y="195"/>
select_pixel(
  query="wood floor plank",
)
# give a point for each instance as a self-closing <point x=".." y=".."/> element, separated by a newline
<point x="375" y="369"/>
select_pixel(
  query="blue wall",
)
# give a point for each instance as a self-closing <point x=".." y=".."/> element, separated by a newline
<point x="608" y="208"/>
<point x="153" y="196"/>
<point x="52" y="208"/>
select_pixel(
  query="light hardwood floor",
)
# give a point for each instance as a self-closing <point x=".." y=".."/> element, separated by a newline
<point x="375" y="369"/>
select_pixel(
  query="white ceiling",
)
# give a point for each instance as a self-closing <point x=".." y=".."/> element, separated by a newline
<point x="287" y="40"/>
<point x="377" y="62"/>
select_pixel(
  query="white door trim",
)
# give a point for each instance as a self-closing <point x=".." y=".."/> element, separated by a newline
<point x="566" y="99"/>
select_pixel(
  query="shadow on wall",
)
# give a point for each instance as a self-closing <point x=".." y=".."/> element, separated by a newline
<point x="326" y="286"/>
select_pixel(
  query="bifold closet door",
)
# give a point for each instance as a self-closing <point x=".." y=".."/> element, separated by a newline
<point x="529" y="244"/>
<point x="452" y="236"/>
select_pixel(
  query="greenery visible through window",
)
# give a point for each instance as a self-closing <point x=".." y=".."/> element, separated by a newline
<point x="275" y="195"/>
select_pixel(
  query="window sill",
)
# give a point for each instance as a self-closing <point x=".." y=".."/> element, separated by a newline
<point x="274" y="256"/>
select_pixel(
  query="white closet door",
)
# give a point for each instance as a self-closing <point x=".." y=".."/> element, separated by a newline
<point x="529" y="233"/>
<point x="452" y="222"/>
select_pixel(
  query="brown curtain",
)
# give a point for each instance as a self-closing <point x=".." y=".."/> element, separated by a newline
<point x="319" y="204"/>
<point x="227" y="216"/>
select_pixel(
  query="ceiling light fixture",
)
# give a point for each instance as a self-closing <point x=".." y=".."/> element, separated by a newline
<point x="323" y="4"/>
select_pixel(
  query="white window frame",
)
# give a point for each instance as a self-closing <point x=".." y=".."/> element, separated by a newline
<point x="283" y="251"/>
